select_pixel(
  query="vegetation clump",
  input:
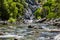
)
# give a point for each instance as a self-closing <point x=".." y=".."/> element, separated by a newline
<point x="12" y="9"/>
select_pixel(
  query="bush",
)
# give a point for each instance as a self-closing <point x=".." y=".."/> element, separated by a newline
<point x="11" y="20"/>
<point x="37" y="13"/>
<point x="51" y="15"/>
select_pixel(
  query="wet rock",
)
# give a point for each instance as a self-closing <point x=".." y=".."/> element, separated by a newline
<point x="30" y="26"/>
<point x="1" y="33"/>
<point x="10" y="27"/>
<point x="4" y="22"/>
<point x="15" y="39"/>
<point x="32" y="2"/>
<point x="56" y="20"/>
<point x="35" y="27"/>
<point x="56" y="24"/>
<point x="57" y="37"/>
<point x="43" y="38"/>
<point x="28" y="21"/>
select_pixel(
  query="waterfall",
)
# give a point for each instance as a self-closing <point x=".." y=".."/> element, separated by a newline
<point x="32" y="6"/>
<point x="28" y="14"/>
<point x="29" y="11"/>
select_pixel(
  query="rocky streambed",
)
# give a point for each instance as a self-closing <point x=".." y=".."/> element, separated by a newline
<point x="30" y="31"/>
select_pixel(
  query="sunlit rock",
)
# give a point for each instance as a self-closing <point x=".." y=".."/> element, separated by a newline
<point x="28" y="21"/>
<point x="57" y="37"/>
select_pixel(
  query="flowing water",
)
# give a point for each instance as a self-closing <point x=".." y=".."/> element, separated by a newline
<point x="29" y="33"/>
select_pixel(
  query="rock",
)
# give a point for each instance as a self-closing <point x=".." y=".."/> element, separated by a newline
<point x="1" y="33"/>
<point x="5" y="23"/>
<point x="30" y="26"/>
<point x="41" y="38"/>
<point x="57" y="37"/>
<point x="56" y="24"/>
<point x="35" y="27"/>
<point x="10" y="27"/>
<point x="32" y="2"/>
<point x="15" y="39"/>
<point x="28" y="21"/>
<point x="56" y="20"/>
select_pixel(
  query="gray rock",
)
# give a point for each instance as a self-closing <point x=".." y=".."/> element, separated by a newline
<point x="28" y="21"/>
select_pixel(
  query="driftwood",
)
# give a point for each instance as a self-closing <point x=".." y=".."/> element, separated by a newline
<point x="52" y="30"/>
<point x="41" y="20"/>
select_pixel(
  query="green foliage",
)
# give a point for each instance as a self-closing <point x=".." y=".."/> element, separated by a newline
<point x="11" y="20"/>
<point x="37" y="13"/>
<point x="51" y="15"/>
<point x="11" y="9"/>
<point x="50" y="9"/>
<point x="39" y="17"/>
<point x="0" y="13"/>
<point x="20" y="9"/>
<point x="45" y="11"/>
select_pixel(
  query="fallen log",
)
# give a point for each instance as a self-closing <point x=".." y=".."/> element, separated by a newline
<point x="54" y="30"/>
<point x="41" y="20"/>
